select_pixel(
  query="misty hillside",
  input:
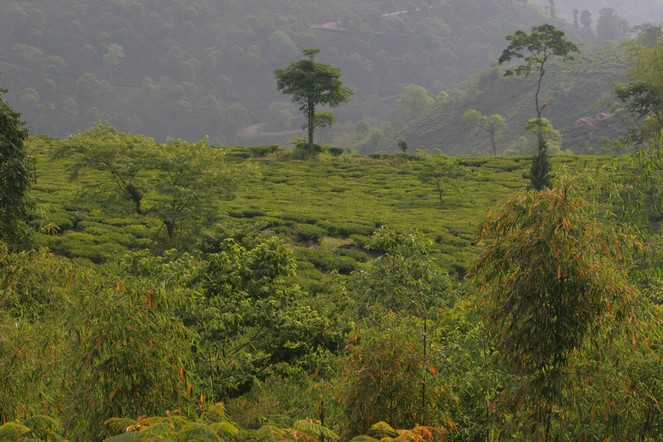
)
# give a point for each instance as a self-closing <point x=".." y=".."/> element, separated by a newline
<point x="634" y="12"/>
<point x="190" y="68"/>
<point x="579" y="94"/>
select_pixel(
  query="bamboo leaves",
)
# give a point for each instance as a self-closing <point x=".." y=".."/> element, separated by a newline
<point x="551" y="275"/>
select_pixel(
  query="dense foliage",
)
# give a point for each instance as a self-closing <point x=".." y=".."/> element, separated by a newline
<point x="16" y="177"/>
<point x="308" y="320"/>
<point x="185" y="291"/>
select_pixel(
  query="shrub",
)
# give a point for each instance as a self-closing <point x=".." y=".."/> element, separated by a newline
<point x="263" y="151"/>
<point x="353" y="252"/>
<point x="327" y="261"/>
<point x="335" y="151"/>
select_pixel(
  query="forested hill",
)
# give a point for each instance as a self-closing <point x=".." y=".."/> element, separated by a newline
<point x="190" y="68"/>
<point x="634" y="12"/>
<point x="580" y="105"/>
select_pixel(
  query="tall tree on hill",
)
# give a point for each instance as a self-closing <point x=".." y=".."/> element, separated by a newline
<point x="311" y="84"/>
<point x="16" y="177"/>
<point x="535" y="49"/>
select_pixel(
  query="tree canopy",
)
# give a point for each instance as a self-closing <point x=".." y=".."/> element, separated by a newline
<point x="312" y="84"/>
<point x="16" y="177"/>
<point x="535" y="49"/>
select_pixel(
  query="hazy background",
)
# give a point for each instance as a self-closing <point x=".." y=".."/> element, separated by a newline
<point x="195" y="68"/>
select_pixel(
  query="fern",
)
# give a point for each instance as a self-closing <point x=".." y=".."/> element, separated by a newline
<point x="12" y="431"/>
<point x="161" y="428"/>
<point x="119" y="424"/>
<point x="383" y="429"/>
<point x="269" y="432"/>
<point x="364" y="438"/>
<point x="225" y="428"/>
<point x="198" y="432"/>
<point x="42" y="428"/>
<point x="216" y="413"/>
<point x="132" y="436"/>
<point x="315" y="429"/>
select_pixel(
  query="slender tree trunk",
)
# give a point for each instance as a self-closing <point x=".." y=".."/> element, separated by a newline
<point x="438" y="184"/>
<point x="322" y="418"/>
<point x="311" y="125"/>
<point x="170" y="229"/>
<point x="423" y="381"/>
<point x="539" y="111"/>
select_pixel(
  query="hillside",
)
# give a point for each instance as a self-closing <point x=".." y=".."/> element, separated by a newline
<point x="322" y="208"/>
<point x="191" y="68"/>
<point x="369" y="288"/>
<point x="635" y="12"/>
<point x="580" y="106"/>
<point x="312" y="293"/>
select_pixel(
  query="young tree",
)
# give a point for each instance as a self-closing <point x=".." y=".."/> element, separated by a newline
<point x="191" y="180"/>
<point x="436" y="169"/>
<point x="312" y="84"/>
<point x="535" y="49"/>
<point x="540" y="176"/>
<point x="123" y="156"/>
<point x="492" y="125"/>
<point x="16" y="177"/>
<point x="551" y="276"/>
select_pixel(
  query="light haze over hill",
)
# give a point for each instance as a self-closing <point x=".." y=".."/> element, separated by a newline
<point x="191" y="68"/>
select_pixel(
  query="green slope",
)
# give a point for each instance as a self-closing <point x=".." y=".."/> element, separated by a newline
<point x="580" y="106"/>
<point x="323" y="207"/>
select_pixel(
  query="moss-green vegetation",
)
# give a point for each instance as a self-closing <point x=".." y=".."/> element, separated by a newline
<point x="326" y="297"/>
<point x="307" y="202"/>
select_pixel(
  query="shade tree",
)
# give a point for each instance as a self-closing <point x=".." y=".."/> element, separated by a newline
<point x="121" y="156"/>
<point x="191" y="180"/>
<point x="312" y="84"/>
<point x="437" y="169"/>
<point x="179" y="183"/>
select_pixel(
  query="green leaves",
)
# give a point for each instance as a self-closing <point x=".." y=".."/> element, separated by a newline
<point x="439" y="169"/>
<point x="551" y="277"/>
<point x="492" y="125"/>
<point x="315" y="429"/>
<point x="16" y="178"/>
<point x="12" y="431"/>
<point x="311" y="84"/>
<point x="180" y="183"/>
<point x="536" y="48"/>
<point x="212" y="427"/>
